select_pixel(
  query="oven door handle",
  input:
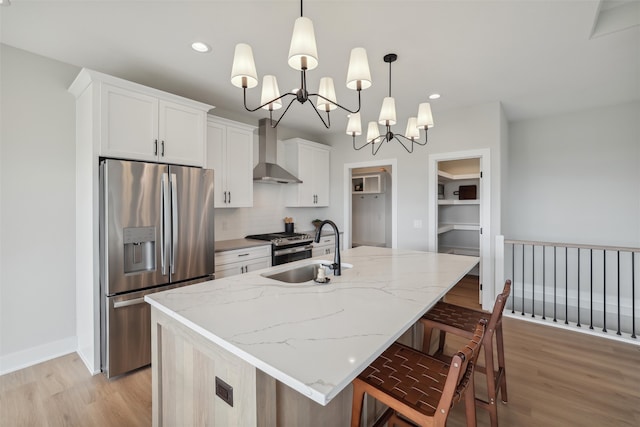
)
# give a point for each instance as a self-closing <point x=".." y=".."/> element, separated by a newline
<point x="292" y="250"/>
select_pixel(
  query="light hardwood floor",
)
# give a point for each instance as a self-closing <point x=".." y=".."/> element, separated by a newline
<point x="557" y="377"/>
<point x="61" y="392"/>
<point x="554" y="378"/>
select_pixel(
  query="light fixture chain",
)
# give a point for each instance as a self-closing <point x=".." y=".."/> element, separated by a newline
<point x="390" y="79"/>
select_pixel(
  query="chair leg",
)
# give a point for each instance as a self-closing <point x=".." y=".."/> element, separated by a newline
<point x="502" y="373"/>
<point x="443" y="336"/>
<point x="356" y="405"/>
<point x="426" y="338"/>
<point x="470" y="403"/>
<point x="491" y="379"/>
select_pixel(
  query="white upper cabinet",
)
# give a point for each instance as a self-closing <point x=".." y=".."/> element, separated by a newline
<point x="129" y="124"/>
<point x="181" y="132"/>
<point x="229" y="152"/>
<point x="309" y="161"/>
<point x="140" y="123"/>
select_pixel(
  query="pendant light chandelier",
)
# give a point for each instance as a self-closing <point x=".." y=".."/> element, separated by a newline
<point x="387" y="118"/>
<point x="303" y="56"/>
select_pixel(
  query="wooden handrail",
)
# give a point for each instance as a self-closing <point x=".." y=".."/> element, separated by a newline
<point x="572" y="245"/>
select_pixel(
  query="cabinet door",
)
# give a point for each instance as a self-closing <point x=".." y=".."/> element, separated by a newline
<point x="215" y="160"/>
<point x="308" y="161"/>
<point x="129" y="124"/>
<point x="227" y="270"/>
<point x="306" y="173"/>
<point x="321" y="177"/>
<point x="229" y="152"/>
<point x="239" y="157"/>
<point x="322" y="250"/>
<point x="257" y="264"/>
<point x="181" y="133"/>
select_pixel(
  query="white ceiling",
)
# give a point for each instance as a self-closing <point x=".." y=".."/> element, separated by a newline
<point x="536" y="57"/>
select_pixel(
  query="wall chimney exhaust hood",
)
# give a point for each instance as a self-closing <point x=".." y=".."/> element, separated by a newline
<point x="267" y="170"/>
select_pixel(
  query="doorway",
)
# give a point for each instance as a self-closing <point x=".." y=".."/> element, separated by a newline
<point x="459" y="214"/>
<point x="370" y="204"/>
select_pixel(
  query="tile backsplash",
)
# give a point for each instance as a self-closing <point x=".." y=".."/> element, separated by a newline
<point x="266" y="215"/>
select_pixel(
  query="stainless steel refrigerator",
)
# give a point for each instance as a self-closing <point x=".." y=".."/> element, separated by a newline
<point x="156" y="233"/>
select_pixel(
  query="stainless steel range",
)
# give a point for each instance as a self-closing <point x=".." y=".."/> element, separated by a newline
<point x="287" y="247"/>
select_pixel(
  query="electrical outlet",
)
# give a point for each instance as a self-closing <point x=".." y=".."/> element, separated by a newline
<point x="224" y="391"/>
<point x="417" y="223"/>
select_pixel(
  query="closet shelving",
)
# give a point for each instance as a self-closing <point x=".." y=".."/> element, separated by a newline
<point x="458" y="220"/>
<point x="367" y="184"/>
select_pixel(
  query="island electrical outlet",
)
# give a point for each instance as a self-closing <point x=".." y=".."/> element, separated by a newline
<point x="224" y="391"/>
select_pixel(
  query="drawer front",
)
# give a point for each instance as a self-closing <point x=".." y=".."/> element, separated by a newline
<point x="326" y="240"/>
<point x="242" y="255"/>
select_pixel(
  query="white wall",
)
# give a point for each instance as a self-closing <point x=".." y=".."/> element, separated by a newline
<point x="472" y="128"/>
<point x="37" y="199"/>
<point x="575" y="178"/>
<point x="464" y="129"/>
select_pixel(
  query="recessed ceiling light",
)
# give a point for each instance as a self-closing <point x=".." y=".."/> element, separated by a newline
<point x="434" y="96"/>
<point x="200" y="47"/>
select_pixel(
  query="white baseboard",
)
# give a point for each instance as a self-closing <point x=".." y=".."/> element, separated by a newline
<point x="88" y="363"/>
<point x="34" y="355"/>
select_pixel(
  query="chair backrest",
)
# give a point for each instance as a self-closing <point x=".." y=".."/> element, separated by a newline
<point x="498" y="307"/>
<point x="460" y="374"/>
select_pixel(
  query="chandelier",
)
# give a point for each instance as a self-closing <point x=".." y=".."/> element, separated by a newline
<point x="303" y="56"/>
<point x="387" y="118"/>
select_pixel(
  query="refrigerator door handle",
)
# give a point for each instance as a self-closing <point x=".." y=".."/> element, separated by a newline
<point x="164" y="241"/>
<point x="174" y="220"/>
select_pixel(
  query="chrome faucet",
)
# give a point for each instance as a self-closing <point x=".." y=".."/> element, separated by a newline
<point x="336" y="266"/>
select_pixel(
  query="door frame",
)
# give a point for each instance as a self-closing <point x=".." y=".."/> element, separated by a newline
<point x="486" y="267"/>
<point x="348" y="168"/>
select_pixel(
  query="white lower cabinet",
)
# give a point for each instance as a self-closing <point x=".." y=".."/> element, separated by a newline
<point x="240" y="261"/>
<point x="326" y="246"/>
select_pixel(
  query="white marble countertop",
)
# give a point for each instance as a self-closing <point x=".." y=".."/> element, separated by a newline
<point x="317" y="338"/>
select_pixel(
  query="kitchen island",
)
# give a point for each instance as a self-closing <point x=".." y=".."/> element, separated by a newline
<point x="288" y="351"/>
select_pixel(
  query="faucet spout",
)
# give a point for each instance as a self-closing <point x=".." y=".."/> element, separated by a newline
<point x="336" y="267"/>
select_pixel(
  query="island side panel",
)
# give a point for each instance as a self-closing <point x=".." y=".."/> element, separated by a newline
<point x="295" y="410"/>
<point x="184" y="368"/>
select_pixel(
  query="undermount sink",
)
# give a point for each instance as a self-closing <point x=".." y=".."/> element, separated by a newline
<point x="301" y="274"/>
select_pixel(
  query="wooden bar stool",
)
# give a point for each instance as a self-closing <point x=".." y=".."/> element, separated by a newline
<point x="461" y="321"/>
<point x="417" y="386"/>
